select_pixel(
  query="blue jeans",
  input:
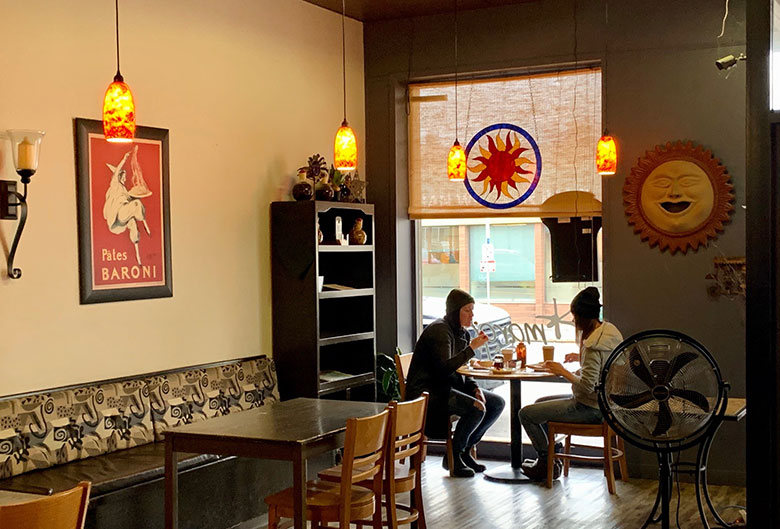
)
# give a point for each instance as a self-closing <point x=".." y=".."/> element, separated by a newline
<point x="558" y="408"/>
<point x="474" y="421"/>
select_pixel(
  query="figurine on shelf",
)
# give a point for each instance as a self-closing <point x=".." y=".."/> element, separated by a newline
<point x="304" y="189"/>
<point x="357" y="235"/>
<point x="320" y="236"/>
<point x="357" y="188"/>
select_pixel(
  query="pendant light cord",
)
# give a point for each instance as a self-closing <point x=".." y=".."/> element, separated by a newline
<point x="456" y="70"/>
<point x="116" y="10"/>
<point x="343" y="54"/>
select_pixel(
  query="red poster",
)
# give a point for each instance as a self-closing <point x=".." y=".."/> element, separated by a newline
<point x="123" y="215"/>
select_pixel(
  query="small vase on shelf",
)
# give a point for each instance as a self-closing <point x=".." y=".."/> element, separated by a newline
<point x="323" y="191"/>
<point x="357" y="235"/>
<point x="303" y="190"/>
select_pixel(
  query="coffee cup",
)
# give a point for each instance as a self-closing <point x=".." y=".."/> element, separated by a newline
<point x="508" y="355"/>
<point x="548" y="352"/>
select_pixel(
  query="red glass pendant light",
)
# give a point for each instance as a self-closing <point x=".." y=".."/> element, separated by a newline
<point x="118" y="103"/>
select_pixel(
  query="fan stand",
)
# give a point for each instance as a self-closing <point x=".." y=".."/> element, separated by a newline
<point x="667" y="469"/>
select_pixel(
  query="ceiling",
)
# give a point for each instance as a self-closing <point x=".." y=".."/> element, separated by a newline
<point x="374" y="10"/>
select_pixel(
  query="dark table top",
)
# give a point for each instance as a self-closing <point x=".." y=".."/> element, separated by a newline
<point x="297" y="421"/>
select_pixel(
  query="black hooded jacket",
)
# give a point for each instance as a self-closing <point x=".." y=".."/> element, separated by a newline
<point x="441" y="349"/>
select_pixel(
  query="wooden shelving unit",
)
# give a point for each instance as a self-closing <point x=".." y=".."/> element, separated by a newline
<point x="324" y="342"/>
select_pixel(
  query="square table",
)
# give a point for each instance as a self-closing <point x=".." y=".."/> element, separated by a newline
<point x="293" y="430"/>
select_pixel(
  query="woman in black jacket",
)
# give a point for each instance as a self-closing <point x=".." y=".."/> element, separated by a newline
<point x="441" y="349"/>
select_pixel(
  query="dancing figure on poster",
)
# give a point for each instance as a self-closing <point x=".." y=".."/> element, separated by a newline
<point x="123" y="209"/>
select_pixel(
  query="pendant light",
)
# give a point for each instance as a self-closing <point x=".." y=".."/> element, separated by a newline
<point x="606" y="150"/>
<point x="345" y="145"/>
<point x="118" y="104"/>
<point x="456" y="159"/>
<point x="606" y="155"/>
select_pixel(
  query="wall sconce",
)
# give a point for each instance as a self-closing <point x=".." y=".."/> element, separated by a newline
<point x="26" y="148"/>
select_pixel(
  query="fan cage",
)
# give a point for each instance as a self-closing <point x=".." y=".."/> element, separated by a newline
<point x="658" y="351"/>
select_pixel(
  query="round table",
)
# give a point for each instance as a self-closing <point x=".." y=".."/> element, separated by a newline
<point x="511" y="473"/>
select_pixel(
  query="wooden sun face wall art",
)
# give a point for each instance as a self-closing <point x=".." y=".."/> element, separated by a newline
<point x="678" y="196"/>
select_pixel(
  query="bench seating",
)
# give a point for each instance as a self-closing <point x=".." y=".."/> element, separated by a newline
<point x="106" y="433"/>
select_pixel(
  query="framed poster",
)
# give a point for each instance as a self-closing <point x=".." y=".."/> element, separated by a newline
<point x="123" y="215"/>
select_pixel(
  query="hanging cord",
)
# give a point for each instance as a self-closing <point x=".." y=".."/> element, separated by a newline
<point x="456" y="70"/>
<point x="723" y="24"/>
<point x="343" y="54"/>
<point x="116" y="11"/>
<point x="576" y="147"/>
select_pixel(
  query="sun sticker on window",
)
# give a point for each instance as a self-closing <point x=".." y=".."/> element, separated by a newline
<point x="504" y="166"/>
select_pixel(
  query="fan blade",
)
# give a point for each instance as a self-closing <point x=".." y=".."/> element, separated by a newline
<point x="631" y="401"/>
<point x="639" y="368"/>
<point x="692" y="396"/>
<point x="664" y="419"/>
<point x="680" y="361"/>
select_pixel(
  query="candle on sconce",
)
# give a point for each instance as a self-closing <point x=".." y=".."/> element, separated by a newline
<point x="26" y="155"/>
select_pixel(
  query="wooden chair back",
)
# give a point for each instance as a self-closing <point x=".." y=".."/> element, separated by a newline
<point x="364" y="457"/>
<point x="402" y="363"/>
<point x="65" y="510"/>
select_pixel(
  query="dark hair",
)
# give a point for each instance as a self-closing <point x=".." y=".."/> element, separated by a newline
<point x="585" y="308"/>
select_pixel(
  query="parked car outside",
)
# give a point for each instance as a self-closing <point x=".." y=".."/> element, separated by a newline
<point x="494" y="321"/>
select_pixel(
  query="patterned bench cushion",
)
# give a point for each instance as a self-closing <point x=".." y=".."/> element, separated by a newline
<point x="197" y="394"/>
<point x="48" y="429"/>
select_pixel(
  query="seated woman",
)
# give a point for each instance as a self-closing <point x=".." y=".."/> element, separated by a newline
<point x="441" y="349"/>
<point x="597" y="340"/>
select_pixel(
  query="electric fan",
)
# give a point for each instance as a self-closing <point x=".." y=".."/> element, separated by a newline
<point x="662" y="391"/>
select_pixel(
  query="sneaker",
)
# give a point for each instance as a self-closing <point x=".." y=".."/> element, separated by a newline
<point x="471" y="462"/>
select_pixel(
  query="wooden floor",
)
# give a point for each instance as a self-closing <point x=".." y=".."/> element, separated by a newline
<point x="577" y="502"/>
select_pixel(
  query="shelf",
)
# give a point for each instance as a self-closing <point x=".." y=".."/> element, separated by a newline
<point x="327" y="248"/>
<point x="346" y="383"/>
<point x="344" y="338"/>
<point x="347" y="293"/>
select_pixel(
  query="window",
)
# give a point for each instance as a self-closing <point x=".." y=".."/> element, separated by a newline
<point x="503" y="257"/>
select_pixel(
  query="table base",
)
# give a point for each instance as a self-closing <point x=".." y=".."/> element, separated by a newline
<point x="507" y="474"/>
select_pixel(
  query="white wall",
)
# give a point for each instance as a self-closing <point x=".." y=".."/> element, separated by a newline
<point x="248" y="89"/>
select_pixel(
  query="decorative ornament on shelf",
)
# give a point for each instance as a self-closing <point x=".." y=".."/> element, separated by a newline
<point x="357" y="188"/>
<point x="357" y="235"/>
<point x="304" y="189"/>
<point x="336" y="182"/>
<point x="323" y="190"/>
<point x="118" y="103"/>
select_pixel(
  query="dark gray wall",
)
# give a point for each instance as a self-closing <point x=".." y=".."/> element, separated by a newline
<point x="660" y="84"/>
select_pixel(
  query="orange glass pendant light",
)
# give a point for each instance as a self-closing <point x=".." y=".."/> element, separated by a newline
<point x="345" y="145"/>
<point x="118" y="103"/>
<point x="456" y="163"/>
<point x="606" y="155"/>
<point x="345" y="148"/>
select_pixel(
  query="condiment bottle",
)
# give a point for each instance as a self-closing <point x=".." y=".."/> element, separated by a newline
<point x="520" y="349"/>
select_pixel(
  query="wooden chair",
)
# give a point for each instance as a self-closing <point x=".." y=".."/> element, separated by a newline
<point x="345" y="501"/>
<point x="611" y="452"/>
<point x="402" y="363"/>
<point x="404" y="444"/>
<point x="64" y="510"/>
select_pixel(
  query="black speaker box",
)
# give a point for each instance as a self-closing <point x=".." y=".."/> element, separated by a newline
<point x="574" y="251"/>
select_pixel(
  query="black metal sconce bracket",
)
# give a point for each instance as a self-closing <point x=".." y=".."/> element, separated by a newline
<point x="8" y="211"/>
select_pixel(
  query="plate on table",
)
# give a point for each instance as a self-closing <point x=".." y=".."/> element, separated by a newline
<point x="501" y="371"/>
<point x="481" y="364"/>
<point x="538" y="367"/>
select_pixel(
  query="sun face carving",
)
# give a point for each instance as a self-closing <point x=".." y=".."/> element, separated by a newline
<point x="678" y="196"/>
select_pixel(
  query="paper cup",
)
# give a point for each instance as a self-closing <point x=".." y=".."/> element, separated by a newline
<point x="548" y="352"/>
<point x="508" y="355"/>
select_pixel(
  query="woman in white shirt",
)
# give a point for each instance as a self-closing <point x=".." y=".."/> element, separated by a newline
<point x="598" y="340"/>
